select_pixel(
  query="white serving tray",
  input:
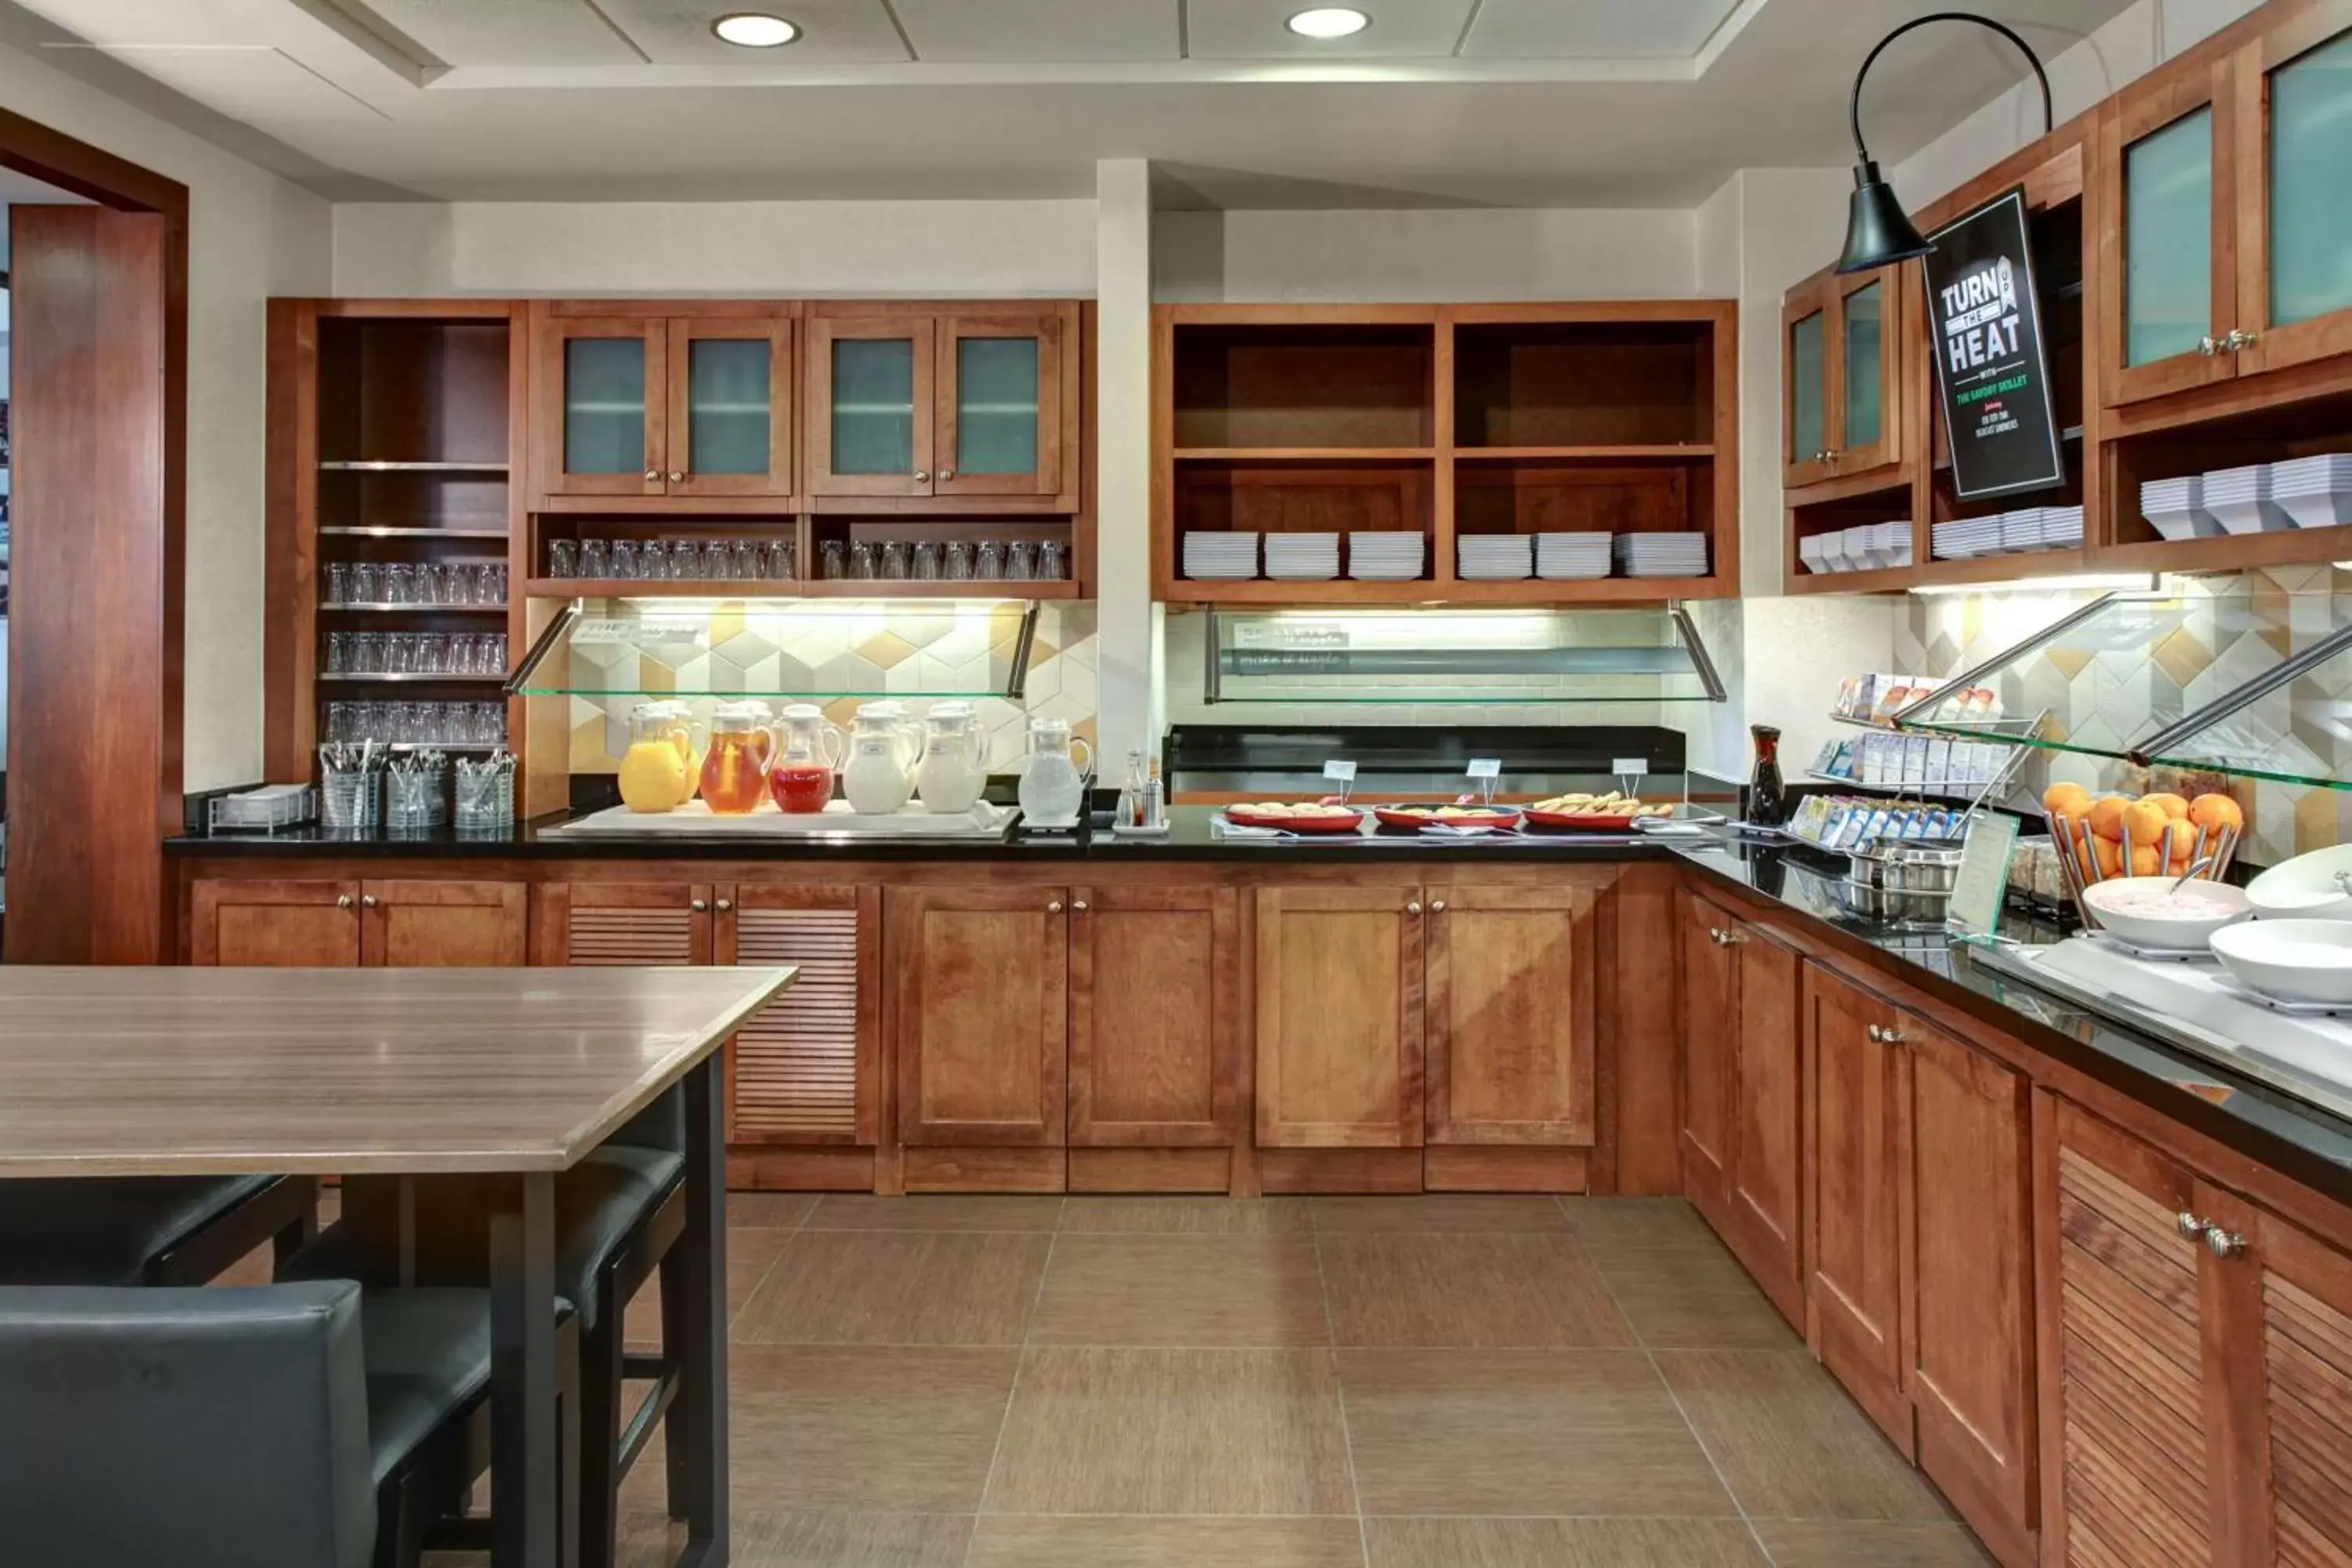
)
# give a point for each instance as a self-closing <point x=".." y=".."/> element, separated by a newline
<point x="835" y="823"/>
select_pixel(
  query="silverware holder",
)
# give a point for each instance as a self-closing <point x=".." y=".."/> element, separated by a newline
<point x="418" y="797"/>
<point x="485" y="794"/>
<point x="2078" y="857"/>
<point x="350" y="797"/>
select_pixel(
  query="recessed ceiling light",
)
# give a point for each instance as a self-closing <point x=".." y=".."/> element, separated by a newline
<point x="1329" y="22"/>
<point x="755" y="30"/>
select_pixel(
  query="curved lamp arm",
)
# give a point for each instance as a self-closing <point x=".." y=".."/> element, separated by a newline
<point x="2049" y="120"/>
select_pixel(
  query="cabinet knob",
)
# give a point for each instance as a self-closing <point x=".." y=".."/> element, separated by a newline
<point x="1832" y="456"/>
<point x="922" y="476"/>
<point x="367" y="900"/>
<point x="946" y="474"/>
<point x="2238" y="340"/>
<point x="698" y="905"/>
<point x="2208" y="345"/>
<point x="1055" y="908"/>
<point x="2224" y="1243"/>
<point x="678" y="476"/>
<point x="2190" y="1224"/>
<point x="725" y="904"/>
<point x="1413" y="907"/>
<point x="1079" y="906"/>
<point x="652" y="476"/>
<point x="342" y="901"/>
<point x="1884" y="1034"/>
<point x="1437" y="906"/>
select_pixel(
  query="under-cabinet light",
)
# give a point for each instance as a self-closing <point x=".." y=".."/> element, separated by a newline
<point x="755" y="30"/>
<point x="2081" y="583"/>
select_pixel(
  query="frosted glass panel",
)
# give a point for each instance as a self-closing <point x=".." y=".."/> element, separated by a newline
<point x="727" y="405"/>
<point x="1865" y="415"/>
<point x="996" y="406"/>
<point x="1809" y="373"/>
<point x="873" y="406"/>
<point x="603" y="406"/>
<point x="2168" y="241"/>
<point x="2311" y="172"/>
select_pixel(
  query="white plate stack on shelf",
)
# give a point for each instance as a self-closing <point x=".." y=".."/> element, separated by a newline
<point x="2241" y="502"/>
<point x="1662" y="554"/>
<point x="1494" y="557"/>
<point x="2176" y="508"/>
<point x="1822" y="551"/>
<point x="2020" y="530"/>
<point x="1302" y="557"/>
<point x="1572" y="557"/>
<point x="1969" y="536"/>
<point x="2061" y="527"/>
<point x="1223" y="557"/>
<point x="2314" y="492"/>
<point x="1383" y="557"/>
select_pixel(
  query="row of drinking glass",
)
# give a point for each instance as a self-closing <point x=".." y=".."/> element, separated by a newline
<point x="417" y="653"/>
<point x="406" y="582"/>
<point x="418" y="723"/>
<point x="953" y="561"/>
<point x="674" y="561"/>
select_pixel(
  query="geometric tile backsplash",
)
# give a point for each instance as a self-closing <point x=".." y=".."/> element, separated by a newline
<point x="2231" y="629"/>
<point x="788" y="657"/>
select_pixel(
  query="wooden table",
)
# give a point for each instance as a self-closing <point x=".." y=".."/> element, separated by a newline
<point x="405" y="1072"/>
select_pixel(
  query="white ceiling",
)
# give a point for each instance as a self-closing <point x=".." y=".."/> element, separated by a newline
<point x="1506" y="103"/>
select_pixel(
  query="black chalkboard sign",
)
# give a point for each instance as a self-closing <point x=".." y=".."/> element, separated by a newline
<point x="1992" y="374"/>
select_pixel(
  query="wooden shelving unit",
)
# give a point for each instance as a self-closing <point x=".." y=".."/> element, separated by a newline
<point x="1613" y="416"/>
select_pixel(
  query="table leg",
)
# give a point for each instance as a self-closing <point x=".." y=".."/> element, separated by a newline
<point x="704" y="1395"/>
<point x="524" y="1454"/>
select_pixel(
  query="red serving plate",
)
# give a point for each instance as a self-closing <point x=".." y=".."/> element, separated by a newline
<point x="1581" y="824"/>
<point x="1504" y="818"/>
<point x="1331" y="824"/>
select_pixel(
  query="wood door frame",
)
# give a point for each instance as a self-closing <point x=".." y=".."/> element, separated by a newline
<point x="453" y="892"/>
<point x="863" y="899"/>
<point x="1401" y="899"/>
<point x="2135" y="114"/>
<point x="903" y="910"/>
<point x="784" y="406"/>
<point x="1887" y="450"/>
<point x="1223" y="906"/>
<point x="1053" y="331"/>
<point x="2323" y="337"/>
<point x="549" y="331"/>
<point x="1808" y="298"/>
<point x="816" y="401"/>
<point x="207" y="895"/>
<point x="140" y="932"/>
<point x="1579" y="896"/>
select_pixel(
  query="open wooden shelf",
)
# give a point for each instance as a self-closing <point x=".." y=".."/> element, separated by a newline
<point x="1531" y="591"/>
<point x="1304" y="454"/>
<point x="1678" y="452"/>
<point x="789" y="588"/>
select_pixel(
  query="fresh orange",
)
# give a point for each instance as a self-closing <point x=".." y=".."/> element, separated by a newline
<point x="2111" y="856"/>
<point x="2067" y="799"/>
<point x="2146" y="861"/>
<point x="2179" y="844"/>
<point x="2174" y="806"/>
<point x="2215" y="812"/>
<point x="2144" y="823"/>
<point x="2107" y="817"/>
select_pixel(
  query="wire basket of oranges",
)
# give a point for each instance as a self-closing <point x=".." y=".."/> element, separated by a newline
<point x="2103" y="838"/>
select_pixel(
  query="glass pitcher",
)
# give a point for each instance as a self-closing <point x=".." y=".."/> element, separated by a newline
<point x="1052" y="783"/>
<point x="657" y="771"/>
<point x="735" y="773"/>
<point x="955" y="771"/>
<point x="802" y="779"/>
<point x="883" y="747"/>
<point x="909" y="732"/>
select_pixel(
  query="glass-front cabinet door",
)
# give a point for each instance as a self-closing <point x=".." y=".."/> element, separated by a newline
<point x="730" y="408"/>
<point x="1805" y="396"/>
<point x="1000" y="405"/>
<point x="602" y="408"/>
<point x="1865" y="432"/>
<point x="2295" y="280"/>
<point x="2172" y="301"/>
<point x="870" y="420"/>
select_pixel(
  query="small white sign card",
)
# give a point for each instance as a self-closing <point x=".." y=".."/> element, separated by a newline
<point x="1977" y="893"/>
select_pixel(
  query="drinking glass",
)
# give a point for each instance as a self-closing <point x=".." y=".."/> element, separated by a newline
<point x="400" y="584"/>
<point x="927" y="560"/>
<point x="367" y="654"/>
<point x="339" y="583"/>
<point x="776" y="561"/>
<point x="988" y="564"/>
<point x="959" y="561"/>
<point x="1021" y="560"/>
<point x="491" y="583"/>
<point x="715" y="565"/>
<point x="624" y="559"/>
<point x="595" y="560"/>
<point x="367" y="583"/>
<point x="432" y="654"/>
<point x="894" y="560"/>
<point x="494" y="653"/>
<point x="653" y="560"/>
<point x="563" y="558"/>
<point x="743" y="560"/>
<point x="339" y="653"/>
<point x="863" y="562"/>
<point x="1052" y="561"/>
<point x="338" y="720"/>
<point x="834" y="556"/>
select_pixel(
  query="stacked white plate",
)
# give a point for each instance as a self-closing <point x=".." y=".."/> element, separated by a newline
<point x="2176" y="508"/>
<point x="2061" y="527"/>
<point x="1302" y="557"/>
<point x="1385" y="557"/>
<point x="1222" y="556"/>
<point x="2315" y="492"/>
<point x="1662" y="554"/>
<point x="1822" y="551"/>
<point x="1572" y="557"/>
<point x="1969" y="536"/>
<point x="2020" y="530"/>
<point x="2239" y="500"/>
<point x="1494" y="557"/>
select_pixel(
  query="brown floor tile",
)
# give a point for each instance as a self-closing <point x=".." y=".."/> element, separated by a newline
<point x="750" y="1255"/>
<point x="1561" y="1543"/>
<point x="850" y="1211"/>
<point x="933" y="1288"/>
<point x="1174" y="1431"/>
<point x="1181" y="1291"/>
<point x="897" y="1430"/>
<point x="1438" y="1212"/>
<point x="1490" y="1289"/>
<point x="1636" y="1225"/>
<point x="1813" y="1543"/>
<point x="1691" y="1297"/>
<point x="847" y="1541"/>
<point x="1790" y="1442"/>
<point x="1579" y="1432"/>
<point x="767" y="1211"/>
<point x="1187" y="1217"/>
<point x="1010" y="1541"/>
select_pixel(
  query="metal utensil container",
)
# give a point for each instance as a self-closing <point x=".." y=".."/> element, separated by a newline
<point x="2078" y="856"/>
<point x="1906" y="882"/>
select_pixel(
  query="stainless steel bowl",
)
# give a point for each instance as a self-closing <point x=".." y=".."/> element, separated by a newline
<point x="1911" y="866"/>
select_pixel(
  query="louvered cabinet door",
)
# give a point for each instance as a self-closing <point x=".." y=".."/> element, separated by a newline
<point x="651" y="924"/>
<point x="2128" y="1477"/>
<point x="806" y="1069"/>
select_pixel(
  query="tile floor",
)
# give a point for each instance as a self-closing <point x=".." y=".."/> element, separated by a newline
<point x="1324" y="1383"/>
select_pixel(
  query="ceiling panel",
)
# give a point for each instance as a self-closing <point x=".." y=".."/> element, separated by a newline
<point x="261" y="87"/>
<point x="678" y="32"/>
<point x="1254" y="30"/>
<point x="956" y="31"/>
<point x="503" y="32"/>
<point x="1613" y="29"/>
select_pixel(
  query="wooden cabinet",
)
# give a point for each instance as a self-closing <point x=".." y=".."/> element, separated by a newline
<point x="1155" y="1047"/>
<point x="1511" y="997"/>
<point x="645" y="923"/>
<point x="1856" y="1165"/>
<point x="1969" y="1345"/>
<point x="1709" y="976"/>
<point x="332" y="923"/>
<point x="1340" y="1016"/>
<point x="967" y="401"/>
<point x="1843" y="385"/>
<point x="1765" y="1177"/>
<point x="806" y="1069"/>
<point x="659" y="403"/>
<point x="978" y="993"/>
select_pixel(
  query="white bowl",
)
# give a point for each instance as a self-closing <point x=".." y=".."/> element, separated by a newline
<point x="2304" y="887"/>
<point x="2294" y="960"/>
<point x="2185" y="933"/>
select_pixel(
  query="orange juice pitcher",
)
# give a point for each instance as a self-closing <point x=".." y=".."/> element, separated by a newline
<point x="735" y="772"/>
<point x="656" y="774"/>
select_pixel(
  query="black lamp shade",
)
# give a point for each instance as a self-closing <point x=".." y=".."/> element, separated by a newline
<point x="1878" y="230"/>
